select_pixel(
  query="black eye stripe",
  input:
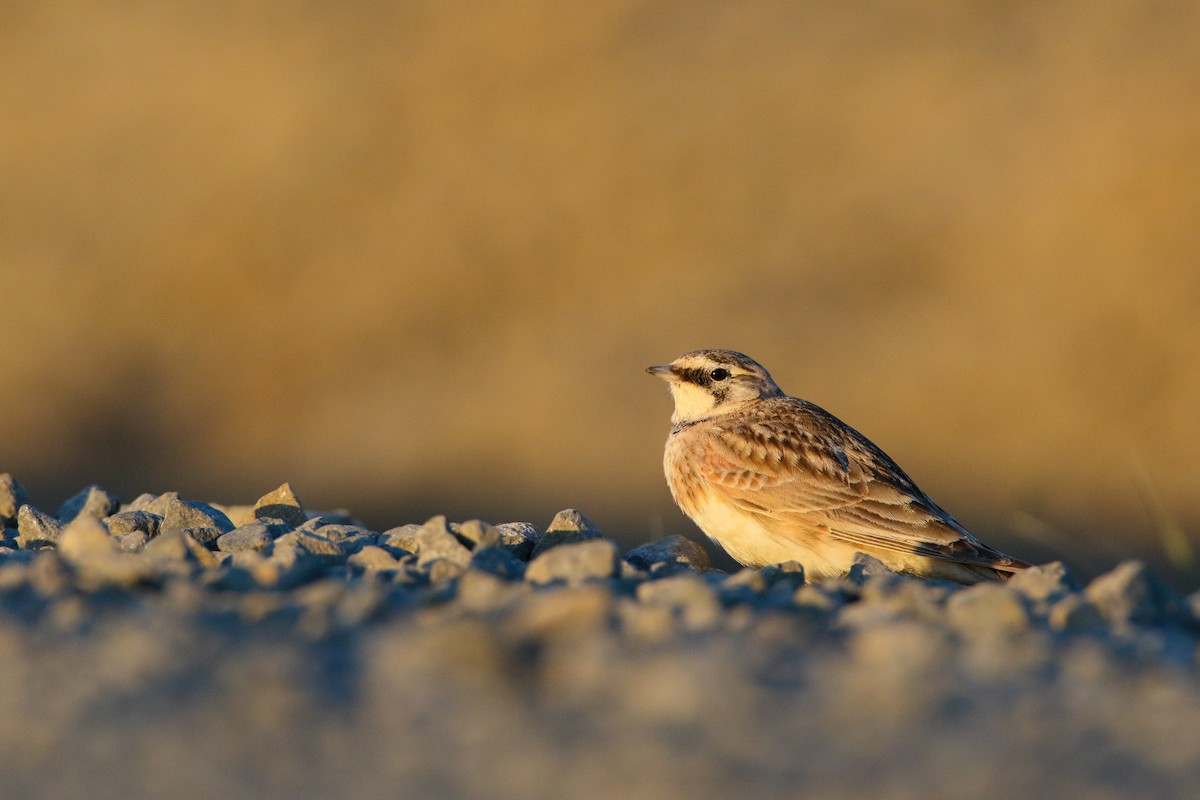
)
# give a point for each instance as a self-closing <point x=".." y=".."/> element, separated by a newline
<point x="704" y="377"/>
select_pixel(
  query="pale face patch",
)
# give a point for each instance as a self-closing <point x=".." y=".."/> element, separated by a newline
<point x="692" y="402"/>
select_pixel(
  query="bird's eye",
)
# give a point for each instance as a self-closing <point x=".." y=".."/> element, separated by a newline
<point x="719" y="374"/>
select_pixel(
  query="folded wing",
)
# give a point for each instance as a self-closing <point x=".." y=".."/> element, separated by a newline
<point x="824" y="476"/>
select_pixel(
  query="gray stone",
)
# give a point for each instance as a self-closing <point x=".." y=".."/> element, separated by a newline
<point x="867" y="567"/>
<point x="338" y="516"/>
<point x="987" y="608"/>
<point x="281" y="504"/>
<point x="519" y="538"/>
<point x="473" y="532"/>
<point x="204" y="523"/>
<point x="129" y="521"/>
<point x="1133" y="594"/>
<point x="144" y="502"/>
<point x="1046" y="583"/>
<point x="289" y="565"/>
<point x="567" y="527"/>
<point x="94" y="500"/>
<point x="499" y="562"/>
<point x="350" y="537"/>
<point x="575" y="562"/>
<point x="314" y="543"/>
<point x="35" y="529"/>
<point x="672" y="550"/>
<point x="396" y="538"/>
<point x="12" y="497"/>
<point x="257" y="535"/>
<point x="429" y="542"/>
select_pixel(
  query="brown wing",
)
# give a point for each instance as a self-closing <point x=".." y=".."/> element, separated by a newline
<point x="793" y="462"/>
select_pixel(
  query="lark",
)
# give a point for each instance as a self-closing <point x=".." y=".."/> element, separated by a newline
<point x="772" y="478"/>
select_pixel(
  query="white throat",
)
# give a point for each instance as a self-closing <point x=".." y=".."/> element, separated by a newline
<point x="691" y="403"/>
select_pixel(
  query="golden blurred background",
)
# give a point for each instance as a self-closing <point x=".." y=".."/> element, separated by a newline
<point x="413" y="257"/>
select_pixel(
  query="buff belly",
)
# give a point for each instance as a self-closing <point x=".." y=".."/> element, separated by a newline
<point x="751" y="543"/>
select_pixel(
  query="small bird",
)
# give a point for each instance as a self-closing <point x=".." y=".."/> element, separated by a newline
<point x="772" y="478"/>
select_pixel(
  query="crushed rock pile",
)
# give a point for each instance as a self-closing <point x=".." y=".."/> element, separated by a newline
<point x="168" y="647"/>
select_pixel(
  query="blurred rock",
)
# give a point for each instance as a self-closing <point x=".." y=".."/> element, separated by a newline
<point x="83" y="537"/>
<point x="482" y="591"/>
<point x="1074" y="612"/>
<point x="281" y="504"/>
<point x="1133" y="594"/>
<point x="133" y="541"/>
<point x="98" y="559"/>
<point x="673" y="550"/>
<point x="747" y="585"/>
<point x="12" y="497"/>
<point x="691" y="599"/>
<point x="177" y="551"/>
<point x="442" y="570"/>
<point x="567" y="527"/>
<point x="47" y="575"/>
<point x="789" y="573"/>
<point x="560" y="613"/>
<point x="35" y="529"/>
<point x="645" y="623"/>
<point x="290" y="565"/>
<point x="820" y="598"/>
<point x="94" y="500"/>
<point x="500" y="562"/>
<point x="987" y="609"/>
<point x="370" y="557"/>
<point x="473" y="532"/>
<point x="575" y="562"/>
<point x="1045" y="583"/>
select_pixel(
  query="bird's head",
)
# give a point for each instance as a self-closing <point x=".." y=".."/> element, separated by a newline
<point x="709" y="382"/>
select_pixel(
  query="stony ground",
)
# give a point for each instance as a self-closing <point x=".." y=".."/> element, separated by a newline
<point x="171" y="648"/>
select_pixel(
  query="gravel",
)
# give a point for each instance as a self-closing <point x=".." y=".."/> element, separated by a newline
<point x="156" y="649"/>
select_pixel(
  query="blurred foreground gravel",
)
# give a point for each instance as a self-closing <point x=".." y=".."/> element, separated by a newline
<point x="170" y="648"/>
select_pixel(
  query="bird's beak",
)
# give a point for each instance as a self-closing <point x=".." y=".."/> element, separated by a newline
<point x="663" y="371"/>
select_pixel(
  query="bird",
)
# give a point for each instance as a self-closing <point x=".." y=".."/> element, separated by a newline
<point x="772" y="478"/>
